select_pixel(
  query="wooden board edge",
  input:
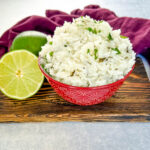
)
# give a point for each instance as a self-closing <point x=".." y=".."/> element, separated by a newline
<point x="73" y="118"/>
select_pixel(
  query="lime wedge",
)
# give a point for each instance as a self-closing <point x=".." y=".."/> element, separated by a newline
<point x="20" y="76"/>
<point x="29" y="40"/>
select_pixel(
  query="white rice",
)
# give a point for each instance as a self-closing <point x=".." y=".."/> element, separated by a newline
<point x="87" y="53"/>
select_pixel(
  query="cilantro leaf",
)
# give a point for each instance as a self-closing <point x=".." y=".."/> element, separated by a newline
<point x="94" y="31"/>
<point x="88" y="51"/>
<point x="99" y="31"/>
<point x="51" y="54"/>
<point x="123" y="37"/>
<point x="117" y="50"/>
<point x="42" y="65"/>
<point x="89" y="29"/>
<point x="50" y="42"/>
<point x="101" y="21"/>
<point x="95" y="53"/>
<point x="109" y="37"/>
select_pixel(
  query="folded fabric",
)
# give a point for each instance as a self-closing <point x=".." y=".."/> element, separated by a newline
<point x="137" y="29"/>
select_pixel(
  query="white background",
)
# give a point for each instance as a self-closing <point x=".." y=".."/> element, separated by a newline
<point x="11" y="11"/>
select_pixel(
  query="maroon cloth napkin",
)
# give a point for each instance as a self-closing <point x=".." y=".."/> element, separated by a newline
<point x="137" y="29"/>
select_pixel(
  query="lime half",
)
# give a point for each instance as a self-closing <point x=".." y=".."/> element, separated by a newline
<point x="29" y="40"/>
<point x="20" y="76"/>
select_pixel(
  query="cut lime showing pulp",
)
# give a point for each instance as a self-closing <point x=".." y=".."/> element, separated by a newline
<point x="20" y="76"/>
<point x="29" y="40"/>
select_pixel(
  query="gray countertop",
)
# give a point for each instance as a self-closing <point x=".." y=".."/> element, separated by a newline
<point x="72" y="135"/>
<point x="75" y="136"/>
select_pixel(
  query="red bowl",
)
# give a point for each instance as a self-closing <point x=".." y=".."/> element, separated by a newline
<point x="84" y="95"/>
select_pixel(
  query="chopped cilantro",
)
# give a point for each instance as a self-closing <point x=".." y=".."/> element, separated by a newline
<point x="65" y="45"/>
<point x="51" y="54"/>
<point x="123" y="37"/>
<point x="95" y="53"/>
<point x="80" y="25"/>
<point x="89" y="29"/>
<point x="50" y="42"/>
<point x="109" y="37"/>
<point x="42" y="65"/>
<point x="117" y="50"/>
<point x="72" y="74"/>
<point x="88" y="51"/>
<point x="101" y="21"/>
<point x="99" y="31"/>
<point x="94" y="31"/>
<point x="101" y="59"/>
<point x="81" y="16"/>
<point x="95" y="21"/>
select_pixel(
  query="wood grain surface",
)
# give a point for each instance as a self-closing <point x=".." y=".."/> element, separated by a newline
<point x="130" y="103"/>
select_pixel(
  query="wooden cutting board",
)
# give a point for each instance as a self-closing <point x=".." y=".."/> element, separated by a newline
<point x="130" y="103"/>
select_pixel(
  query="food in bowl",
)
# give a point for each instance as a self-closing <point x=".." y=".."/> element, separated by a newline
<point x="87" y="53"/>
